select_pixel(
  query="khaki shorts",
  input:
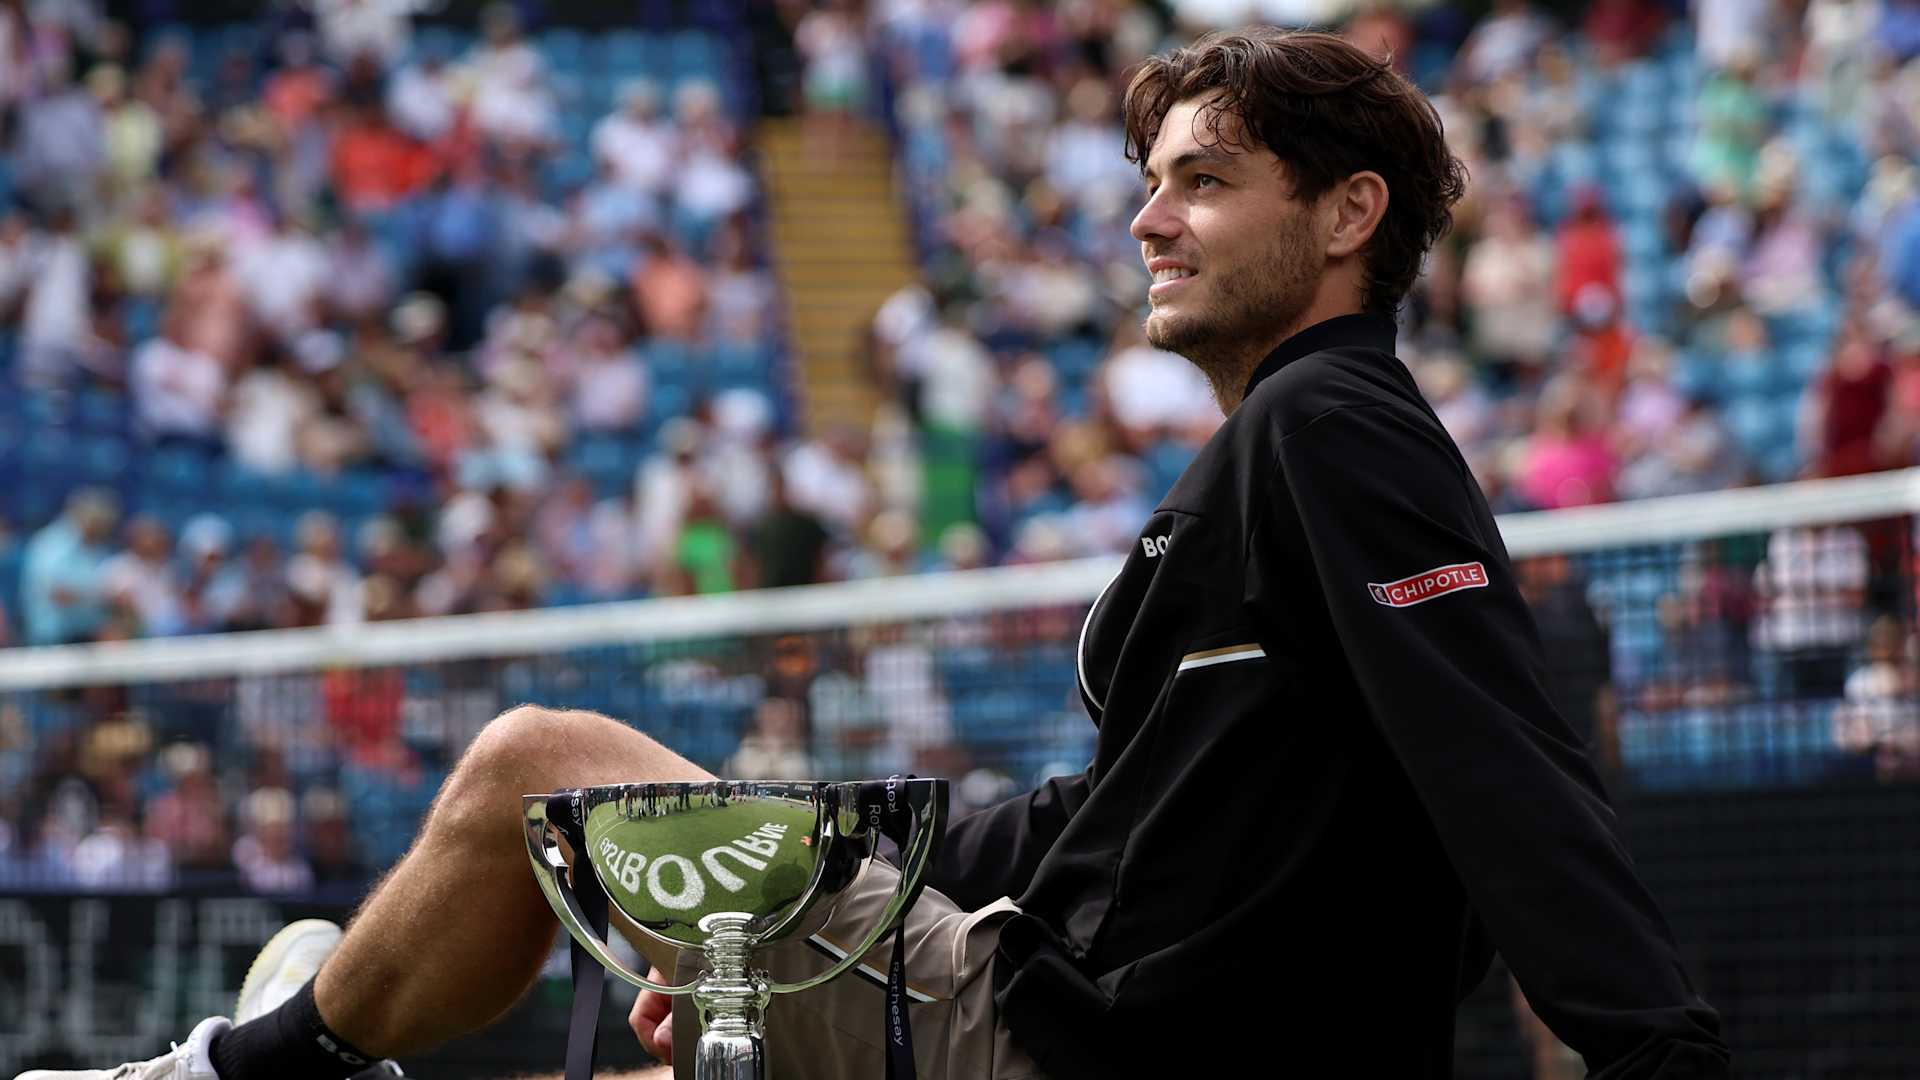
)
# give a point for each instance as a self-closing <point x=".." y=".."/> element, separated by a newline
<point x="835" y="1031"/>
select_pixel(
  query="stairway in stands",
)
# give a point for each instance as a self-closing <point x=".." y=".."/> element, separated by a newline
<point x="841" y="245"/>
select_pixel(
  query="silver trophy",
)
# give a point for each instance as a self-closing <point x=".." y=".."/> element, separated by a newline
<point x="725" y="868"/>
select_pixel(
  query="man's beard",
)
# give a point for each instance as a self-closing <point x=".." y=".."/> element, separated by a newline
<point x="1247" y="313"/>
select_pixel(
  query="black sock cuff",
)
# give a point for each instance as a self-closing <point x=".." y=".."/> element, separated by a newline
<point x="290" y="1043"/>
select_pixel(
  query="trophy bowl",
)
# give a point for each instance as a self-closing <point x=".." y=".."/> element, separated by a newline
<point x="724" y="868"/>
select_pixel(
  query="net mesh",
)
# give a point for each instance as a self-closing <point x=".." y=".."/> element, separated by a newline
<point x="1744" y="666"/>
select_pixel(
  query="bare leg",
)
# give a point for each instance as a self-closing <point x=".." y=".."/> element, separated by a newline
<point x="457" y="932"/>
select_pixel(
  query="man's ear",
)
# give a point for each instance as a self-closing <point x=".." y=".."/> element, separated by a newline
<point x="1356" y="206"/>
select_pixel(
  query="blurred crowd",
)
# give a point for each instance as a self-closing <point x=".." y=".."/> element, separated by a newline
<point x="332" y="258"/>
<point x="1683" y="263"/>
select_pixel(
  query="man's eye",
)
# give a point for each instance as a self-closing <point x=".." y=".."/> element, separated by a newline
<point x="1205" y="177"/>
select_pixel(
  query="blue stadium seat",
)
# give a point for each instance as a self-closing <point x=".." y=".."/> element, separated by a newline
<point x="1643" y="81"/>
<point x="1165" y="461"/>
<point x="1783" y="416"/>
<point x="12" y="557"/>
<point x="141" y="317"/>
<point x="1575" y="162"/>
<point x="51" y="451"/>
<point x="448" y="41"/>
<point x="1751" y="422"/>
<point x="1697" y="374"/>
<point x="103" y="411"/>
<point x="670" y="363"/>
<point x="564" y="173"/>
<point x="1075" y="358"/>
<point x="41" y="410"/>
<point x="670" y="401"/>
<point x="570" y="87"/>
<point x="603" y="460"/>
<point x="104" y="458"/>
<point x="1804" y="362"/>
<point x="563" y="49"/>
<point x="240" y="486"/>
<point x="991" y="715"/>
<point x="576" y="131"/>
<point x="600" y="93"/>
<point x="386" y="813"/>
<point x="1781" y="462"/>
<point x="1747" y="376"/>
<point x="32" y="505"/>
<point x="698" y="53"/>
<point x="626" y="53"/>
<point x="736" y="364"/>
<point x="364" y="491"/>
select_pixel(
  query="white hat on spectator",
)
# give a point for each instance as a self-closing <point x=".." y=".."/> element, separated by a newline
<point x="308" y="579"/>
<point x="206" y="534"/>
<point x="184" y="759"/>
<point x="269" y="806"/>
<point x="418" y="316"/>
<point x="466" y="517"/>
<point x="741" y="414"/>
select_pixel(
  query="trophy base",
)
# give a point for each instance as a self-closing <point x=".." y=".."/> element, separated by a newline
<point x="730" y="1057"/>
<point x="732" y="1001"/>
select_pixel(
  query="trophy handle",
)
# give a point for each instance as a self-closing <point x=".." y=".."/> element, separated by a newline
<point x="927" y="800"/>
<point x="556" y="879"/>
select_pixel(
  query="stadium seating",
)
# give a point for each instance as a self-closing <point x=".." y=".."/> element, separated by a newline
<point x="51" y="443"/>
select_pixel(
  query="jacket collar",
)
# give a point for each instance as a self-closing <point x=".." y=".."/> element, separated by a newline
<point x="1349" y="331"/>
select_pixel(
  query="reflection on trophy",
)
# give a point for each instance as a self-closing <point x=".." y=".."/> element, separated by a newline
<point x="727" y="867"/>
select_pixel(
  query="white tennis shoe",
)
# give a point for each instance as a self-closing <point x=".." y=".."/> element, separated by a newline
<point x="286" y="962"/>
<point x="186" y="1061"/>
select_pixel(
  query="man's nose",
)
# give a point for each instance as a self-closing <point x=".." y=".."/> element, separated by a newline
<point x="1155" y="219"/>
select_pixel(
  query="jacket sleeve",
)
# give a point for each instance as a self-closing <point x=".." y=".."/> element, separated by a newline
<point x="994" y="852"/>
<point x="1452" y="678"/>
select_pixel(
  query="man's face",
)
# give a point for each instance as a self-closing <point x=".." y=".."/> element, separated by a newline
<point x="1228" y="214"/>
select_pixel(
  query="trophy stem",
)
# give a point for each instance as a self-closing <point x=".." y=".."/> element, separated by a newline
<point x="732" y="1000"/>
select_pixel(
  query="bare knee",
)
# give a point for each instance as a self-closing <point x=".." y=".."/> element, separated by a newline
<point x="527" y="750"/>
<point x="530" y="749"/>
<point x="528" y="735"/>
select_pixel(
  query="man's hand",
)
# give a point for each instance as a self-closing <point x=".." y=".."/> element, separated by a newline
<point x="652" y="1020"/>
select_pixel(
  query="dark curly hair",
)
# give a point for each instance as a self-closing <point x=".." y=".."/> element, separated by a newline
<point x="1328" y="110"/>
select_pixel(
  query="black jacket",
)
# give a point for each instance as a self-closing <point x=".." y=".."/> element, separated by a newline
<point x="1329" y="780"/>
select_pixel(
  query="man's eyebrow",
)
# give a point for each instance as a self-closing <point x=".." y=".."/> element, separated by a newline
<point x="1209" y="155"/>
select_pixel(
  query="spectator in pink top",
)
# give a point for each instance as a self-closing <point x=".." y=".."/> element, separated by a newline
<point x="1568" y="460"/>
